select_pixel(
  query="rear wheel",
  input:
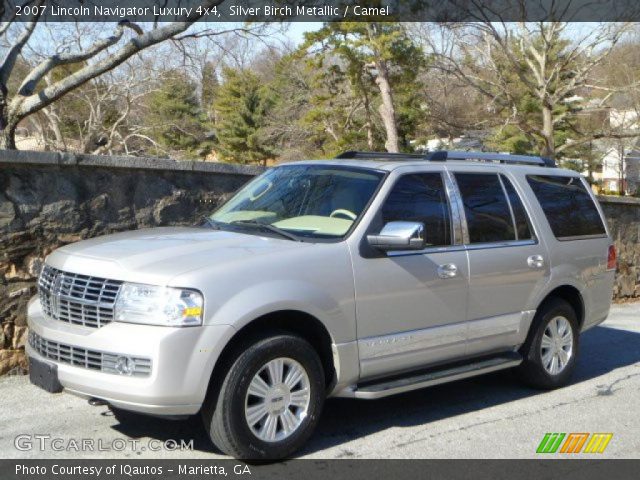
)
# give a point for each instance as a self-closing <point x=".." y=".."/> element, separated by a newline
<point x="552" y="347"/>
<point x="270" y="400"/>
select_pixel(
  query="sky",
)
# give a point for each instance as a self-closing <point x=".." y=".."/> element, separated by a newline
<point x="297" y="29"/>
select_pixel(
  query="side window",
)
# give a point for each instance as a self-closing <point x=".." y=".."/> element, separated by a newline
<point x="567" y="205"/>
<point x="421" y="198"/>
<point x="485" y="207"/>
<point x="523" y="227"/>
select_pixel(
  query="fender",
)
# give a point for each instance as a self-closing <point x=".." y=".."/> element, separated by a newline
<point x="267" y="297"/>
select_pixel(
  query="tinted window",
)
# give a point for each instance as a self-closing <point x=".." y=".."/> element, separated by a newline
<point x="485" y="207"/>
<point x="523" y="229"/>
<point x="420" y="198"/>
<point x="567" y="204"/>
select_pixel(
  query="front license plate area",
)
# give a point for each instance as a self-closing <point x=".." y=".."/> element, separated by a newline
<point x="44" y="375"/>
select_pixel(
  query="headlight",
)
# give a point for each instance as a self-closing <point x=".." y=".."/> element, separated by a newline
<point x="153" y="305"/>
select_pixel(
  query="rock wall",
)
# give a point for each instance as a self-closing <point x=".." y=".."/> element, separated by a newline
<point x="623" y="217"/>
<point x="50" y="199"/>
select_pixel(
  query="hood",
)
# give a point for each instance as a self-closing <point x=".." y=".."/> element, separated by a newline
<point x="158" y="254"/>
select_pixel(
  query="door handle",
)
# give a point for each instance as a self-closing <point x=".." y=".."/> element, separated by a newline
<point x="448" y="270"/>
<point x="535" y="261"/>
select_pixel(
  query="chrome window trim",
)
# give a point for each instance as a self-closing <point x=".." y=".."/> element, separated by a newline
<point x="453" y="199"/>
<point x="460" y="205"/>
<point x="506" y="195"/>
<point x="459" y="248"/>
<point x="581" y="237"/>
<point x="509" y="243"/>
<point x="426" y="251"/>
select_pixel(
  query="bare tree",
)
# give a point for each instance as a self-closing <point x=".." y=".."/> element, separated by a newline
<point x="106" y="53"/>
<point x="550" y="62"/>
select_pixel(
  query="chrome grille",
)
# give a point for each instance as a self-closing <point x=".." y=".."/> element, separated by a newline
<point x="81" y="357"/>
<point x="77" y="299"/>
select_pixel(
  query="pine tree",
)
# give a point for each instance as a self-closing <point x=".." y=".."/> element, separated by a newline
<point x="209" y="85"/>
<point x="176" y="119"/>
<point x="241" y="107"/>
<point x="378" y="55"/>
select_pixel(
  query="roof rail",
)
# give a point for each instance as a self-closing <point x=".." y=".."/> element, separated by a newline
<point x="355" y="155"/>
<point x="444" y="155"/>
<point x="490" y="157"/>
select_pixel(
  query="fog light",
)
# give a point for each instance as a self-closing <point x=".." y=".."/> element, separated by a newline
<point x="125" y="365"/>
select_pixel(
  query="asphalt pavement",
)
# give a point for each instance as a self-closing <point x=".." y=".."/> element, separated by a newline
<point x="486" y="417"/>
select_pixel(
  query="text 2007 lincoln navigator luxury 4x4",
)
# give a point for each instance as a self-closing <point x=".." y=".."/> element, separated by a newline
<point x="364" y="276"/>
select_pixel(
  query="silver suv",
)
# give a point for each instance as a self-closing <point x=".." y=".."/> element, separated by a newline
<point x="364" y="276"/>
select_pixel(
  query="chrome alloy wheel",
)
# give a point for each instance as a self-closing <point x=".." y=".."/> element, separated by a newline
<point x="556" y="347"/>
<point x="277" y="400"/>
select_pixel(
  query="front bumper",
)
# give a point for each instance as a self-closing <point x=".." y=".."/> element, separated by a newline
<point x="182" y="360"/>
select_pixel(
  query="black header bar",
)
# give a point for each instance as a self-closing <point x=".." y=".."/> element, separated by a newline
<point x="322" y="10"/>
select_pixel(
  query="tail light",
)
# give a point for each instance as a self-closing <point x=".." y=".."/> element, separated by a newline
<point x="612" y="258"/>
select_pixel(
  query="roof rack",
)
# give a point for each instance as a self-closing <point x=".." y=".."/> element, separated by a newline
<point x="444" y="155"/>
<point x="355" y="155"/>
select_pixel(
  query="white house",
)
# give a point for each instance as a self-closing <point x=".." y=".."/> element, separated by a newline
<point x="621" y="158"/>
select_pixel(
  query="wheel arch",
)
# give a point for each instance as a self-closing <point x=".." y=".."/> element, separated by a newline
<point x="572" y="296"/>
<point x="295" y="322"/>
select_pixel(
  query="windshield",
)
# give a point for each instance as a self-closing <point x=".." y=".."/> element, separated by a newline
<point x="313" y="201"/>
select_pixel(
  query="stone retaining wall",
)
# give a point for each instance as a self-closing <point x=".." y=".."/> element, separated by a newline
<point x="50" y="199"/>
<point x="623" y="217"/>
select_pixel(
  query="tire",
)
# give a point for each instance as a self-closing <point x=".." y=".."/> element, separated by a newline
<point x="537" y="370"/>
<point x="227" y="417"/>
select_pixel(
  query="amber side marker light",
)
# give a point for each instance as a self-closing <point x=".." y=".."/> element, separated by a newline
<point x="612" y="258"/>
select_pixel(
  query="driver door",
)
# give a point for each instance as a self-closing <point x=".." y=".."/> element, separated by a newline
<point x="411" y="305"/>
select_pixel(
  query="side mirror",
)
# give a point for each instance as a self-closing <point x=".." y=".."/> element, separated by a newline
<point x="399" y="236"/>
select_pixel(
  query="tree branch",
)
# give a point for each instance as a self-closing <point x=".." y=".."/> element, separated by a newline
<point x="31" y="81"/>
<point x="21" y="106"/>
<point x="597" y="136"/>
<point x="9" y="61"/>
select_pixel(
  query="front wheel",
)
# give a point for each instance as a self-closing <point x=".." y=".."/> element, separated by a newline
<point x="552" y="347"/>
<point x="270" y="400"/>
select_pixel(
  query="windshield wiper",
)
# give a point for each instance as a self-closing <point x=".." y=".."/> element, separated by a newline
<point x="268" y="227"/>
<point x="207" y="222"/>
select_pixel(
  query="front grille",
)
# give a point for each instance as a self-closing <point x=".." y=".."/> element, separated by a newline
<point x="77" y="299"/>
<point x="81" y="357"/>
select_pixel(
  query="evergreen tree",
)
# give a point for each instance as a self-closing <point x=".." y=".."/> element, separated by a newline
<point x="176" y="119"/>
<point x="381" y="62"/>
<point x="241" y="107"/>
<point x="209" y="85"/>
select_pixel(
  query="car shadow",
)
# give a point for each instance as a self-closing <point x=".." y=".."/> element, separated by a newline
<point x="603" y="349"/>
<point x="137" y="426"/>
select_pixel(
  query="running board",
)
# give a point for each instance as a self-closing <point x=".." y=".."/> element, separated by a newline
<point x="386" y="387"/>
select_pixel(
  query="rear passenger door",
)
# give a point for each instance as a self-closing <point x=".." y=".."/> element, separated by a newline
<point x="508" y="264"/>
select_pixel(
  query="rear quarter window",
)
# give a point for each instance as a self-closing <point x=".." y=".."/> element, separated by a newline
<point x="566" y="203"/>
